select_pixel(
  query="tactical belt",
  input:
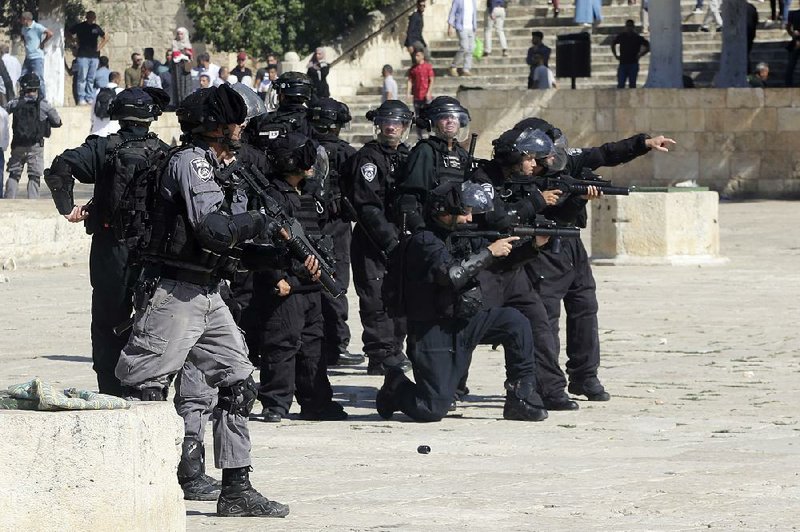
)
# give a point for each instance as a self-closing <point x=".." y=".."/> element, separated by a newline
<point x="189" y="276"/>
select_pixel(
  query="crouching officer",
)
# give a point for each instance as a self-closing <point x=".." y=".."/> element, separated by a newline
<point x="328" y="116"/>
<point x="183" y="317"/>
<point x="372" y="175"/>
<point x="446" y="322"/>
<point x="114" y="164"/>
<point x="435" y="160"/>
<point x="516" y="202"/>
<point x="566" y="275"/>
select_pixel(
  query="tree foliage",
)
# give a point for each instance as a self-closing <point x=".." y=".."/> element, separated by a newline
<point x="10" y="10"/>
<point x="261" y="26"/>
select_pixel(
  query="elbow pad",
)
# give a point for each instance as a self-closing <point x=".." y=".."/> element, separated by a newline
<point x="60" y="182"/>
<point x="462" y="272"/>
<point x="257" y="257"/>
<point x="219" y="231"/>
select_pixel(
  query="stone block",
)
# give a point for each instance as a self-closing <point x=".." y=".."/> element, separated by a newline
<point x="738" y="120"/>
<point x="604" y="119"/>
<point x="714" y="166"/>
<point x="661" y="98"/>
<point x="674" y="168"/>
<point x="701" y="98"/>
<point x="778" y="97"/>
<point x="668" y="119"/>
<point x="656" y="228"/>
<point x="749" y="141"/>
<point x="788" y="119"/>
<point x="777" y="167"/>
<point x="714" y="120"/>
<point x="745" y="97"/>
<point x="92" y="470"/>
<point x="632" y="98"/>
<point x="745" y="165"/>
<point x="605" y="98"/>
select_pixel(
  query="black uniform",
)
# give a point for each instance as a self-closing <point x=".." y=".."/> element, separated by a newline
<point x="518" y="201"/>
<point x="372" y="173"/>
<point x="430" y="164"/>
<point x="568" y="275"/>
<point x="336" y="336"/>
<point x="287" y="331"/>
<point x="446" y="323"/>
<point x="110" y="275"/>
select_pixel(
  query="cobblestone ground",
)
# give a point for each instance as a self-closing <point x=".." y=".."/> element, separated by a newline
<point x="702" y="431"/>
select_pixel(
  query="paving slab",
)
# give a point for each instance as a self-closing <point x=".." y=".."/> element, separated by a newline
<point x="702" y="432"/>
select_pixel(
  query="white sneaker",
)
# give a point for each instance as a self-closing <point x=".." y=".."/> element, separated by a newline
<point x="698" y="11"/>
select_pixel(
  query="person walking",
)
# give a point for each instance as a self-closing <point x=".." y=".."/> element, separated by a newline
<point x="463" y="19"/>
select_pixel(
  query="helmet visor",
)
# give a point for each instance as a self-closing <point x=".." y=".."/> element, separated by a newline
<point x="450" y="125"/>
<point x="391" y="131"/>
<point x="536" y="143"/>
<point x="255" y="105"/>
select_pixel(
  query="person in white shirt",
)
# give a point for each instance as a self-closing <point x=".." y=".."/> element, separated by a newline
<point x="13" y="65"/>
<point x="5" y="137"/>
<point x="543" y="77"/>
<point x="205" y="66"/>
<point x="150" y="78"/>
<point x="103" y="127"/>
<point x="389" y="88"/>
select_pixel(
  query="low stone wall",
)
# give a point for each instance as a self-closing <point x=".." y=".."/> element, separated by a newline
<point x="32" y="232"/>
<point x="740" y="142"/>
<point x="91" y="470"/>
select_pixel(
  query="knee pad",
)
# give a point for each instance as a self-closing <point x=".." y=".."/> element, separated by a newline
<point x="239" y="397"/>
<point x="192" y="463"/>
<point x="152" y="393"/>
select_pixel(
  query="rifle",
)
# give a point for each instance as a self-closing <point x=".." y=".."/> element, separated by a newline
<point x="542" y="227"/>
<point x="298" y="244"/>
<point x="580" y="187"/>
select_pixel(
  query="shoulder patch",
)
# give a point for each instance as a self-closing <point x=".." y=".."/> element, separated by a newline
<point x="369" y="171"/>
<point x="574" y="151"/>
<point x="202" y="168"/>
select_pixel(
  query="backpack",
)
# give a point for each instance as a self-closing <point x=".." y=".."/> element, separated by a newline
<point x="28" y="127"/>
<point x="102" y="102"/>
<point x="126" y="194"/>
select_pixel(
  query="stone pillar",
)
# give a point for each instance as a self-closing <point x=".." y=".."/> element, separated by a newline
<point x="677" y="227"/>
<point x="733" y="60"/>
<point x="666" y="45"/>
<point x="92" y="470"/>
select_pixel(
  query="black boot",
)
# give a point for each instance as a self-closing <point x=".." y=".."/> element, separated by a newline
<point x="559" y="401"/>
<point x="346" y="358"/>
<point x="332" y="411"/>
<point x="381" y="367"/>
<point x="385" y="400"/>
<point x="240" y="499"/>
<point x="196" y="485"/>
<point x="590" y="387"/>
<point x="522" y="402"/>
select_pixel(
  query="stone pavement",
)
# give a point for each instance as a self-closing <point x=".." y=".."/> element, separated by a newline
<point x="702" y="431"/>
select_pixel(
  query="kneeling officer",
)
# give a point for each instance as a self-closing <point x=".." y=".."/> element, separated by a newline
<point x="436" y="277"/>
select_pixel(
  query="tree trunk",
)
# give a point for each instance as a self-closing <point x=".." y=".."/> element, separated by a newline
<point x="666" y="45"/>
<point x="733" y="60"/>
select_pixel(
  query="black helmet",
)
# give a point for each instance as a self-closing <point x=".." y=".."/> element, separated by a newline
<point x="326" y="113"/>
<point x="29" y="81"/>
<point x="558" y="137"/>
<point x="514" y="144"/>
<point x="457" y="198"/>
<point x="209" y="108"/>
<point x="295" y="84"/>
<point x="391" y="112"/>
<point x="138" y="104"/>
<point x="443" y="107"/>
<point x="292" y="152"/>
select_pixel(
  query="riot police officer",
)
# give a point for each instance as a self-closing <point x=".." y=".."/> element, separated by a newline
<point x="295" y="91"/>
<point x="328" y="116"/>
<point x="567" y="275"/>
<point x="446" y="318"/>
<point x="435" y="160"/>
<point x="285" y="315"/>
<point x="516" y="202"/>
<point x="181" y="314"/>
<point x="373" y="172"/>
<point x="110" y="163"/>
